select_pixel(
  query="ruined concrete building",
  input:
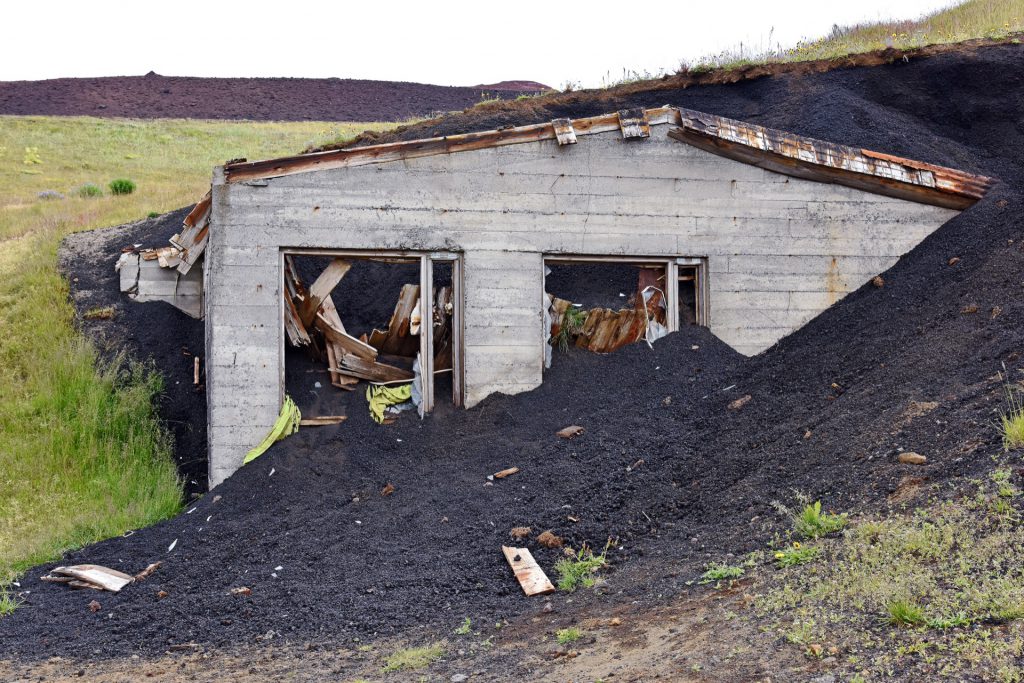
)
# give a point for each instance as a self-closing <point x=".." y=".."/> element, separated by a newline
<point x="752" y="232"/>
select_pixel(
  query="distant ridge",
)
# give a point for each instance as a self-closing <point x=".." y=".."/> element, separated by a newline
<point x="260" y="99"/>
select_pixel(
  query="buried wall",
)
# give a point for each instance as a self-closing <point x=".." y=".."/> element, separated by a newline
<point x="779" y="250"/>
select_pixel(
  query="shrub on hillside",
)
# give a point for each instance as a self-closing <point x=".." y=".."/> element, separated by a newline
<point x="122" y="186"/>
<point x="89" y="190"/>
<point x="50" y="194"/>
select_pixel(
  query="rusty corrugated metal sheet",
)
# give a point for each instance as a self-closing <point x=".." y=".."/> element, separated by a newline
<point x="824" y="161"/>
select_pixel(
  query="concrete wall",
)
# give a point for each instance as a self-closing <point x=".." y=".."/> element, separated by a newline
<point x="779" y="249"/>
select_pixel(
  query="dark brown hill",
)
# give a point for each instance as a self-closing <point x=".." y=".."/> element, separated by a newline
<point x="259" y="99"/>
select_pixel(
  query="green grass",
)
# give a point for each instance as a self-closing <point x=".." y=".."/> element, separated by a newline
<point x="1012" y="420"/>
<point x="414" y="658"/>
<point x="82" y="456"/>
<point x="715" y="572"/>
<point x="938" y="589"/>
<point x="797" y="554"/>
<point x="811" y="522"/>
<point x="992" y="19"/>
<point x="564" y="636"/>
<point x="579" y="570"/>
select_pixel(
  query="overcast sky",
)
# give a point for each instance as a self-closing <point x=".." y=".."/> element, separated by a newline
<point x="449" y="43"/>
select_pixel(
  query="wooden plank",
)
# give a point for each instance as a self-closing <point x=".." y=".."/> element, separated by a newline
<point x="373" y="371"/>
<point x="195" y="234"/>
<point x="350" y="344"/>
<point x="321" y="421"/>
<point x="634" y="124"/>
<point x="564" y="132"/>
<point x="531" y="577"/>
<point x="109" y="579"/>
<point x="322" y="288"/>
<point x="396" y="340"/>
<point x="297" y="334"/>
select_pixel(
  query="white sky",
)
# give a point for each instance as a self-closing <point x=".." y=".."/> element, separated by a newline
<point x="449" y="42"/>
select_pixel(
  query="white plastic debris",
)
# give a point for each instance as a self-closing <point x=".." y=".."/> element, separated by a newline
<point x="171" y="546"/>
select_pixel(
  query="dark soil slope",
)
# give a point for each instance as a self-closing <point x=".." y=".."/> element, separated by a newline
<point x="255" y="99"/>
<point x="665" y="466"/>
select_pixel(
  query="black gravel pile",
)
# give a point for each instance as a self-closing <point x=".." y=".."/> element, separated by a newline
<point x="665" y="465"/>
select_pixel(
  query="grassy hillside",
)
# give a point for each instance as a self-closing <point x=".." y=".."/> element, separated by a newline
<point x="991" y="19"/>
<point x="82" y="456"/>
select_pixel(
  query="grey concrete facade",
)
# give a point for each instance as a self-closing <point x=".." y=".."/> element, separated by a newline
<point x="779" y="250"/>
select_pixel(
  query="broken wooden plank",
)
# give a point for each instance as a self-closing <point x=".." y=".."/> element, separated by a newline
<point x="195" y="234"/>
<point x="297" y="334"/>
<point x="396" y="340"/>
<point x="564" y="132"/>
<point x="108" y="579"/>
<point x="373" y="371"/>
<point x="634" y="124"/>
<point x="508" y="472"/>
<point x="347" y="342"/>
<point x="323" y="420"/>
<point x="322" y="288"/>
<point x="531" y="577"/>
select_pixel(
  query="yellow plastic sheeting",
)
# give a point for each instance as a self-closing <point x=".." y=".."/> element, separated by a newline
<point x="380" y="397"/>
<point x="287" y="423"/>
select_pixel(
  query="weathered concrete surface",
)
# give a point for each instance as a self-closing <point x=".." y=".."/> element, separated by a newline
<point x="779" y="249"/>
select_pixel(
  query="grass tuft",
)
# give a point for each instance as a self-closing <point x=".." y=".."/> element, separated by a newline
<point x="578" y="570"/>
<point x="8" y="602"/>
<point x="414" y="658"/>
<point x="122" y="186"/>
<point x="715" y="572"/>
<point x="568" y="635"/>
<point x="811" y="522"/>
<point x="797" y="554"/>
<point x="903" y="612"/>
<point x="1012" y="421"/>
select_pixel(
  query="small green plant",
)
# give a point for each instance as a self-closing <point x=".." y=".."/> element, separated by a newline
<point x="579" y="569"/>
<point x="121" y="186"/>
<point x="904" y="613"/>
<point x="568" y="635"/>
<point x="811" y="522"/>
<point x="720" y="572"/>
<point x="571" y="325"/>
<point x="953" y="621"/>
<point x="153" y="214"/>
<point x="414" y="658"/>
<point x="89" y="191"/>
<point x="1012" y="421"/>
<point x="8" y="602"/>
<point x="465" y="628"/>
<point x="31" y="156"/>
<point x="795" y="555"/>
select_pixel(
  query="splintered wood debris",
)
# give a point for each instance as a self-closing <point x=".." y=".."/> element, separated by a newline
<point x="312" y="321"/>
<point x="94" y="576"/>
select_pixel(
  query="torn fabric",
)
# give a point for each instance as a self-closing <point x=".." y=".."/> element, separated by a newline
<point x="287" y="423"/>
<point x="381" y="396"/>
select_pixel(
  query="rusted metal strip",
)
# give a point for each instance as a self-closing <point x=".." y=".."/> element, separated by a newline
<point x="828" y="162"/>
<point x="564" y="132"/>
<point x="411" y="149"/>
<point x="634" y="124"/>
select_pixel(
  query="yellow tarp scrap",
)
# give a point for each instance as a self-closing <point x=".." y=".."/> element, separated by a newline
<point x="287" y="423"/>
<point x="380" y="397"/>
